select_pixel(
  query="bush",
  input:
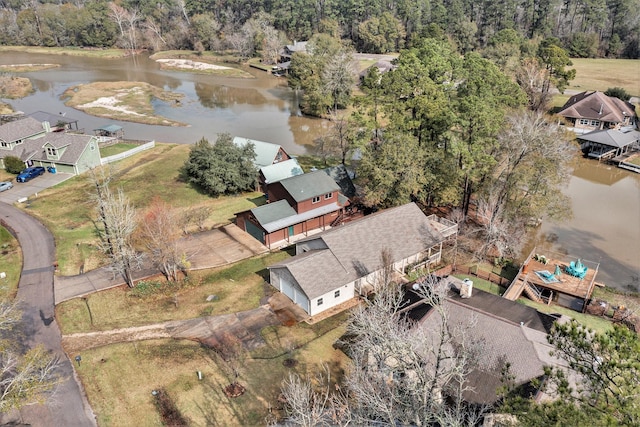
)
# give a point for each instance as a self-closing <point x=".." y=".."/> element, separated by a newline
<point x="618" y="92"/>
<point x="13" y="164"/>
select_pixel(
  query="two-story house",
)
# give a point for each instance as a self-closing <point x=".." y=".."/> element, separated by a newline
<point x="34" y="143"/>
<point x="297" y="206"/>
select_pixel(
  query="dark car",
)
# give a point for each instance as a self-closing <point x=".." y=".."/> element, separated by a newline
<point x="30" y="173"/>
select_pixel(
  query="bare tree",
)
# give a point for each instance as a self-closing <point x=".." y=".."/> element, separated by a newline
<point x="160" y="232"/>
<point x="117" y="222"/>
<point x="346" y="135"/>
<point x="308" y="401"/>
<point x="337" y="78"/>
<point x="272" y="42"/>
<point x="531" y="77"/>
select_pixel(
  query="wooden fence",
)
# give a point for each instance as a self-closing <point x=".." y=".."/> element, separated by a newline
<point x="473" y="271"/>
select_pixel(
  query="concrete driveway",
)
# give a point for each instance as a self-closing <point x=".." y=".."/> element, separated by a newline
<point x="21" y="190"/>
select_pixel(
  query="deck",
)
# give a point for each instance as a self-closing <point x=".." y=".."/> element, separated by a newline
<point x="566" y="285"/>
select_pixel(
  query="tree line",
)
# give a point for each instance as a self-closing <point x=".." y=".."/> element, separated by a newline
<point x="586" y="28"/>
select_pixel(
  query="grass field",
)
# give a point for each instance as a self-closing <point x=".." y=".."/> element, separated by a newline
<point x="10" y="262"/>
<point x="68" y="212"/>
<point x="114" y="149"/>
<point x="601" y="74"/>
<point x="119" y="379"/>
<point x="238" y="288"/>
<point x="71" y="51"/>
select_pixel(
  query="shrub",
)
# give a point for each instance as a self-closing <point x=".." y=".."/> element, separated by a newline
<point x="13" y="164"/>
<point x="618" y="92"/>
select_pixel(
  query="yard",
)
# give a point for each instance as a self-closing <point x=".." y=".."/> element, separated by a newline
<point x="67" y="209"/>
<point x="10" y="262"/>
<point x="602" y="74"/>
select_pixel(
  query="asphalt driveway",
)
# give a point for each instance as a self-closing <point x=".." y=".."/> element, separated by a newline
<point x="21" y="190"/>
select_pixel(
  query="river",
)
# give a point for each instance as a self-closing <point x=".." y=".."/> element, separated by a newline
<point x="263" y="108"/>
<point x="605" y="227"/>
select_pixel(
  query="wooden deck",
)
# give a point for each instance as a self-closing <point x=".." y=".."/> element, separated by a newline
<point x="567" y="285"/>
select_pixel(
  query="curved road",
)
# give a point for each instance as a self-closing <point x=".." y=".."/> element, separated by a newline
<point x="68" y="407"/>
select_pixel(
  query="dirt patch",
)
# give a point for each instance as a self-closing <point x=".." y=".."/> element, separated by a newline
<point x="188" y="64"/>
<point x="129" y="101"/>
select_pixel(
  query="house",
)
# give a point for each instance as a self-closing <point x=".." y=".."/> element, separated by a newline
<point x="284" y="62"/>
<point x="277" y="172"/>
<point x="266" y="153"/>
<point x="35" y="145"/>
<point x="331" y="268"/>
<point x="59" y="122"/>
<point x="298" y="205"/>
<point x="505" y="333"/>
<point x="609" y="143"/>
<point x="588" y="111"/>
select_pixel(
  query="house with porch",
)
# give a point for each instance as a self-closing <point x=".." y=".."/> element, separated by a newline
<point x="606" y="144"/>
<point x="333" y="267"/>
<point x="589" y="111"/>
<point x="33" y="143"/>
<point x="296" y="206"/>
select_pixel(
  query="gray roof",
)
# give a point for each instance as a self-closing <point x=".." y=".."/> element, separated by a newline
<point x="266" y="152"/>
<point x="110" y="128"/>
<point x="52" y="119"/>
<point x="321" y="268"/>
<point x="357" y="247"/>
<point x="612" y="137"/>
<point x="281" y="215"/>
<point x="35" y="149"/>
<point x="308" y="185"/>
<point x="20" y="129"/>
<point x="282" y="170"/>
<point x="341" y="177"/>
<point x="270" y="212"/>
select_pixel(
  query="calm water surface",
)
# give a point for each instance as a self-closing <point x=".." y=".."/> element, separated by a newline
<point x="605" y="200"/>
<point x="262" y="108"/>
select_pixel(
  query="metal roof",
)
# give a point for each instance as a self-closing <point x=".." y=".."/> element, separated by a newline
<point x="295" y="218"/>
<point x="611" y="137"/>
<point x="266" y="152"/>
<point x="271" y="212"/>
<point x="279" y="171"/>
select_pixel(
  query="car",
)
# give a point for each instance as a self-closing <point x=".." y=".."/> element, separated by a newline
<point x="6" y="185"/>
<point x="30" y="173"/>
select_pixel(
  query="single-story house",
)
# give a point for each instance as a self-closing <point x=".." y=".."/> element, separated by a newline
<point x="332" y="267"/>
<point x="297" y="205"/>
<point x="266" y="153"/>
<point x="610" y="142"/>
<point x="588" y="111"/>
<point x="30" y="141"/>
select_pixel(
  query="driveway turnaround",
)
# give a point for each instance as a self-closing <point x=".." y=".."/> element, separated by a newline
<point x="68" y="406"/>
<point x="24" y="190"/>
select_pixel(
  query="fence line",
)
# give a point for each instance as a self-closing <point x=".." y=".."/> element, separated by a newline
<point x="128" y="153"/>
<point x="474" y="271"/>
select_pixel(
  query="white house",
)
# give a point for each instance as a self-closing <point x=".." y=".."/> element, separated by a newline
<point x="332" y="267"/>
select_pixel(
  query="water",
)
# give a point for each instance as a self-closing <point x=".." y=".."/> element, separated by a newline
<point x="605" y="227"/>
<point x="605" y="200"/>
<point x="262" y="108"/>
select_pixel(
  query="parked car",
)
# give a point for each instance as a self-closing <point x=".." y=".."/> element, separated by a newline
<point x="30" y="173"/>
<point x="6" y="185"/>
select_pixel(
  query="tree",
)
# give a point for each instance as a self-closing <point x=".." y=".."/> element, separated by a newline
<point x="616" y="92"/>
<point x="381" y="35"/>
<point x="13" y="164"/>
<point x="346" y="134"/>
<point x="393" y="172"/>
<point x="159" y="232"/>
<point x="607" y="388"/>
<point x="554" y="58"/>
<point x="221" y="168"/>
<point x="24" y="379"/>
<point x="116" y="225"/>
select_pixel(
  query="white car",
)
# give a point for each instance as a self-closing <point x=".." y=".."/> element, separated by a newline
<point x="4" y="186"/>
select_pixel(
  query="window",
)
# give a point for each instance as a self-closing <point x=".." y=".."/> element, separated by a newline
<point x="52" y="151"/>
<point x="5" y="144"/>
<point x="315" y="199"/>
<point x="584" y="121"/>
<point x="336" y="294"/>
<point x="595" y="123"/>
<point x="328" y="196"/>
<point x="320" y="301"/>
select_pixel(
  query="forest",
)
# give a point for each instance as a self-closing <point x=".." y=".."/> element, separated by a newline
<point x="585" y="28"/>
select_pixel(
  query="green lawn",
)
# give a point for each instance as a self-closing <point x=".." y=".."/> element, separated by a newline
<point x="114" y="149"/>
<point x="67" y="209"/>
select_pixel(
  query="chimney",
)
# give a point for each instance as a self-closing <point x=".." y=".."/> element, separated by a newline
<point x="601" y="106"/>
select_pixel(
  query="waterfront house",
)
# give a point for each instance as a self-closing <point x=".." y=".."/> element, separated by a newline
<point x="266" y="153"/>
<point x="589" y="111"/>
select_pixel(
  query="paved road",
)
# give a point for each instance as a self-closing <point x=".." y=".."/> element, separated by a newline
<point x="69" y="406"/>
<point x="23" y="190"/>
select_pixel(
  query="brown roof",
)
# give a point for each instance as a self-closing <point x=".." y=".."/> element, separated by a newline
<point x="20" y="129"/>
<point x="597" y="106"/>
